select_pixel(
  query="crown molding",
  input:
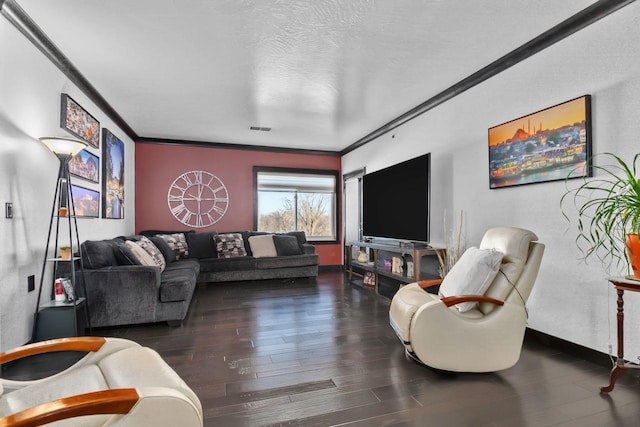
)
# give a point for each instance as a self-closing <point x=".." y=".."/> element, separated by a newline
<point x="230" y="146"/>
<point x="27" y="26"/>
<point x="580" y="20"/>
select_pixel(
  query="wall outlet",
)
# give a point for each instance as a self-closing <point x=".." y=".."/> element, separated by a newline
<point x="31" y="283"/>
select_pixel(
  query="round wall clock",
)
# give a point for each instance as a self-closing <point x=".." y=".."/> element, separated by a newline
<point x="198" y="199"/>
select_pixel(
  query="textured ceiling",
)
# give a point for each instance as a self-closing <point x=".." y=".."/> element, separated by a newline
<point x="321" y="73"/>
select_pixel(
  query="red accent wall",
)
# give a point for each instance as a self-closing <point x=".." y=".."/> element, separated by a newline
<point x="157" y="165"/>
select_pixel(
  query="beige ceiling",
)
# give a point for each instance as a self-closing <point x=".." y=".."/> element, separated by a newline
<point x="321" y="73"/>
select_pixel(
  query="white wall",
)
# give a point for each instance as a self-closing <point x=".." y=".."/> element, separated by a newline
<point x="30" y="88"/>
<point x="571" y="300"/>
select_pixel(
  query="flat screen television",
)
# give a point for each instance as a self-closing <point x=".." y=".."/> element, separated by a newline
<point x="396" y="201"/>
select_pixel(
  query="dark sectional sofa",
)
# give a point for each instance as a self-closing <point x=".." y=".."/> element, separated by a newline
<point x="121" y="293"/>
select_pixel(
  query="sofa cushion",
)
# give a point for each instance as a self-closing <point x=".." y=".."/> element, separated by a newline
<point x="245" y="237"/>
<point x="262" y="246"/>
<point x="286" y="245"/>
<point x="177" y="284"/>
<point x="177" y="242"/>
<point x="228" y="264"/>
<point x="287" y="261"/>
<point x="202" y="245"/>
<point x="230" y="245"/>
<point x="188" y="263"/>
<point x="149" y="233"/>
<point x="98" y="254"/>
<point x="142" y="257"/>
<point x="300" y="235"/>
<point x="163" y="246"/>
<point x="153" y="250"/>
<point x="123" y="254"/>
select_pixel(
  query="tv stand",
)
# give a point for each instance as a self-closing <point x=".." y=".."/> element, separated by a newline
<point x="386" y="282"/>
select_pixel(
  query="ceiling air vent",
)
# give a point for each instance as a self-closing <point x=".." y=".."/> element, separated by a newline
<point x="263" y="129"/>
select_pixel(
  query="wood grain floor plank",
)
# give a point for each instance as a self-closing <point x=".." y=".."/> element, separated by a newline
<point x="321" y="353"/>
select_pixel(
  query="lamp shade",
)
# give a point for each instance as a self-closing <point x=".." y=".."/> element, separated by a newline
<point x="63" y="146"/>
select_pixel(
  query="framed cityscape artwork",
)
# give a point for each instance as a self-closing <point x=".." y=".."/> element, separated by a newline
<point x="549" y="145"/>
<point x="86" y="202"/>
<point x="85" y="165"/>
<point x="112" y="176"/>
<point x="77" y="121"/>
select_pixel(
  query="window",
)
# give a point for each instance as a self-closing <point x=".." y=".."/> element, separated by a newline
<point x="297" y="200"/>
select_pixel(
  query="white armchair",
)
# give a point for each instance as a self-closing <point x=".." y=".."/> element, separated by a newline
<point x="118" y="383"/>
<point x="437" y="331"/>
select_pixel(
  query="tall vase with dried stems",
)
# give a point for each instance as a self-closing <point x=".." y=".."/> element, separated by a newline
<point x="454" y="242"/>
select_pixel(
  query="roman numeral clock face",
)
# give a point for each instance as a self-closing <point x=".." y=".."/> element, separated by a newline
<point x="198" y="199"/>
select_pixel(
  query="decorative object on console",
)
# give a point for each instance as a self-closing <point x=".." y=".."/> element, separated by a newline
<point x="454" y="246"/>
<point x="608" y="213"/>
<point x="77" y="121"/>
<point x="198" y="199"/>
<point x="549" y="145"/>
<point x="63" y="203"/>
<point x="396" y="265"/>
<point x="409" y="268"/>
<point x="363" y="256"/>
<point x="369" y="279"/>
<point x="387" y="264"/>
<point x="112" y="176"/>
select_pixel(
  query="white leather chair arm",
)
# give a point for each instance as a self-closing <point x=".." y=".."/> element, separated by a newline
<point x="97" y="348"/>
<point x="453" y="300"/>
<point x="50" y="346"/>
<point x="117" y="401"/>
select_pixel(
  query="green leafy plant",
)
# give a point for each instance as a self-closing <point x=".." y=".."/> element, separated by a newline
<point x="608" y="208"/>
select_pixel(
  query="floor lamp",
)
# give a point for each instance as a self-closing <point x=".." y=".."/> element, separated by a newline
<point x="62" y="207"/>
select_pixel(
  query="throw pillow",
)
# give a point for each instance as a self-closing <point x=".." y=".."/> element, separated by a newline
<point x="124" y="255"/>
<point x="152" y="250"/>
<point x="262" y="246"/>
<point x="98" y="254"/>
<point x="141" y="256"/>
<point x="202" y="245"/>
<point x="167" y="252"/>
<point x="300" y="235"/>
<point x="471" y="275"/>
<point x="286" y="245"/>
<point x="178" y="243"/>
<point x="230" y="245"/>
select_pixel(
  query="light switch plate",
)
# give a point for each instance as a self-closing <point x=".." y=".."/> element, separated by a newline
<point x="8" y="210"/>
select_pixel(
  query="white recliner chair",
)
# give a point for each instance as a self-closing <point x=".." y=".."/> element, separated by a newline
<point x="118" y="383"/>
<point x="479" y="331"/>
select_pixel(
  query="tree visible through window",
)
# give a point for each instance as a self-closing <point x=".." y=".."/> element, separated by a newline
<point x="297" y="200"/>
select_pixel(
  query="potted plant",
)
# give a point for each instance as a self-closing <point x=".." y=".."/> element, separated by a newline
<point x="65" y="252"/>
<point x="608" y="211"/>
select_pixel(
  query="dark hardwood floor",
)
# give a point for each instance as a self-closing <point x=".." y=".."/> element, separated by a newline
<point x="322" y="353"/>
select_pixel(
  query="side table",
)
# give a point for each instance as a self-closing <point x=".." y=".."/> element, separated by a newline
<point x="56" y="319"/>
<point x="621" y="284"/>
